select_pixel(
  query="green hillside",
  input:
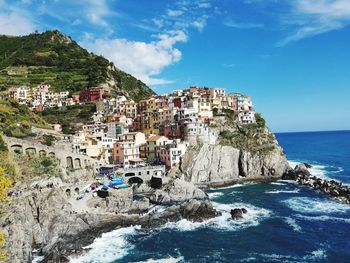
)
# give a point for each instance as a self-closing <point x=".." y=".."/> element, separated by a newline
<point x="55" y="59"/>
<point x="17" y="120"/>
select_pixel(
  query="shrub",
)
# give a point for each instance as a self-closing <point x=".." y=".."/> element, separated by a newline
<point x="260" y="121"/>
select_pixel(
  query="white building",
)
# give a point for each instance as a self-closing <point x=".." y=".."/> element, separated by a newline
<point x="194" y="131"/>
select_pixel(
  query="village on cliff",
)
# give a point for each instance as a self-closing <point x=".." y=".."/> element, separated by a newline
<point x="155" y="131"/>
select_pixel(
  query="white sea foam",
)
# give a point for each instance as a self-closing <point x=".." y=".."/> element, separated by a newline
<point x="324" y="218"/>
<point x="313" y="256"/>
<point x="295" y="191"/>
<point x="109" y="247"/>
<point x="224" y="222"/>
<point x="162" y="260"/>
<point x="277" y="183"/>
<point x="215" y="195"/>
<point x="293" y="224"/>
<point x="314" y="205"/>
<point x="234" y="186"/>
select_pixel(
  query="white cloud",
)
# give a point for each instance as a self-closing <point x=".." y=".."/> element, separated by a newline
<point x="143" y="60"/>
<point x="171" y="12"/>
<point x="239" y="25"/>
<point x="200" y="23"/>
<point x="204" y="5"/>
<point x="15" y="24"/>
<point x="314" y="17"/>
<point x="96" y="11"/>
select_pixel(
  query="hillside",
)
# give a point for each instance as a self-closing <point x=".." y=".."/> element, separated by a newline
<point x="17" y="120"/>
<point x="55" y="59"/>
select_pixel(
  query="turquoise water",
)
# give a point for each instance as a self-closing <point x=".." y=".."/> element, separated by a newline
<point x="285" y="222"/>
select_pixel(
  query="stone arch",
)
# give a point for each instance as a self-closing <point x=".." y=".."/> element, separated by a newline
<point x="42" y="153"/>
<point x="135" y="180"/>
<point x="30" y="150"/>
<point x="17" y="148"/>
<point x="77" y="163"/>
<point x="69" y="162"/>
<point x="76" y="190"/>
<point x="68" y="192"/>
<point x="52" y="154"/>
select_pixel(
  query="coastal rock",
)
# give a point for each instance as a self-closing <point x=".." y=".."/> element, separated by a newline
<point x="294" y="174"/>
<point x="307" y="165"/>
<point x="330" y="187"/>
<point x="237" y="213"/>
<point x="218" y="165"/>
<point x="177" y="191"/>
<point x="198" y="211"/>
<point x="301" y="169"/>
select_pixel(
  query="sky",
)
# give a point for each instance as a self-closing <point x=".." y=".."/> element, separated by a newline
<point x="291" y="56"/>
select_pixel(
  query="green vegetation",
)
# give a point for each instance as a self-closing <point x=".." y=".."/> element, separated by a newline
<point x="254" y="138"/>
<point x="3" y="252"/>
<point x="17" y="120"/>
<point x="48" y="140"/>
<point x="55" y="59"/>
<point x="260" y="121"/>
<point x="68" y="115"/>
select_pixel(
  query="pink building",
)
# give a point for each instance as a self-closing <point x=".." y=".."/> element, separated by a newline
<point x="171" y="154"/>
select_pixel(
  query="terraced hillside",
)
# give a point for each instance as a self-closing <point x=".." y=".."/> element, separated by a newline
<point x="55" y="59"/>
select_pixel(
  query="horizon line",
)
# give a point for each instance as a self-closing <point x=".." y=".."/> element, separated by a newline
<point x="342" y="130"/>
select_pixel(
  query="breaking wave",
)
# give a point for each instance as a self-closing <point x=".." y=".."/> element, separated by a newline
<point x="313" y="256"/>
<point x="224" y="222"/>
<point x="109" y="247"/>
<point x="295" y="191"/>
<point x="215" y="195"/>
<point x="315" y="206"/>
<point x="277" y="183"/>
<point x="324" y="218"/>
<point x="293" y="224"/>
<point x="162" y="260"/>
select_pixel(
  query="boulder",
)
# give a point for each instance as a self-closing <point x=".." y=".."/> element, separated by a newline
<point x="307" y="165"/>
<point x="301" y="170"/>
<point x="237" y="213"/>
<point x="177" y="191"/>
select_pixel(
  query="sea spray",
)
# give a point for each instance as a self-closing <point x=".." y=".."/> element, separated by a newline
<point x="109" y="247"/>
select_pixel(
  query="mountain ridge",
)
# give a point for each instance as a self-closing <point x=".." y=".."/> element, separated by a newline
<point x="56" y="59"/>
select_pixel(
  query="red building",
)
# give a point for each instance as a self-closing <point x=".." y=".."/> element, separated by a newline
<point x="93" y="94"/>
<point x="177" y="102"/>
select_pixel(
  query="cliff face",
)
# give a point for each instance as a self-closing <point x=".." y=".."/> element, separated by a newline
<point x="230" y="162"/>
<point x="47" y="221"/>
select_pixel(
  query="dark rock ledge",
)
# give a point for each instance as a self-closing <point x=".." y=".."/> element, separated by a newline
<point x="302" y="176"/>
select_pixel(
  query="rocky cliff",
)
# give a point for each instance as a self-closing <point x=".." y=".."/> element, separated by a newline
<point x="242" y="153"/>
<point x="49" y="222"/>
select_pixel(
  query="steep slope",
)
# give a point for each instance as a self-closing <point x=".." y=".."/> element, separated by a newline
<point x="243" y="153"/>
<point x="17" y="120"/>
<point x="56" y="59"/>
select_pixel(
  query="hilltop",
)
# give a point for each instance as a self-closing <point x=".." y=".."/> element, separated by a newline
<point x="55" y="59"/>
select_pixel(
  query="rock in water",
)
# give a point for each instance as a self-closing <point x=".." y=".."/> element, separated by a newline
<point x="301" y="169"/>
<point x="237" y="213"/>
<point x="308" y="165"/>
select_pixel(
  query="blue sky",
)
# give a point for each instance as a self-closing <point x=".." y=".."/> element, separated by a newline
<point x="291" y="56"/>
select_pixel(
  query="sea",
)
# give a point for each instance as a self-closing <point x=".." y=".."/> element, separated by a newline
<point x="285" y="222"/>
